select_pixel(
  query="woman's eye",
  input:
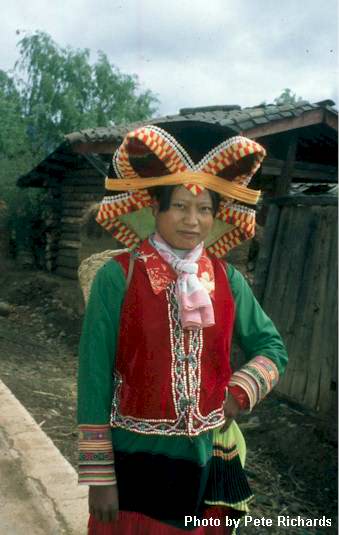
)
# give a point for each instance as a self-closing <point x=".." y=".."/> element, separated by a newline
<point x="178" y="205"/>
<point x="206" y="209"/>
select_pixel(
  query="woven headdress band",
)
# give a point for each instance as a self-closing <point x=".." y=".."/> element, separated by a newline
<point x="197" y="178"/>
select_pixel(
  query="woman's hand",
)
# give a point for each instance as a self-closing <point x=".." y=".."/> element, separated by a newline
<point x="103" y="502"/>
<point x="231" y="411"/>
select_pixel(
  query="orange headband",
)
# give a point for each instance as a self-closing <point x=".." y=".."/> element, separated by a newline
<point x="200" y="178"/>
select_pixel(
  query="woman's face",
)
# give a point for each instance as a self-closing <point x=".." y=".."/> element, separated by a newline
<point x="188" y="221"/>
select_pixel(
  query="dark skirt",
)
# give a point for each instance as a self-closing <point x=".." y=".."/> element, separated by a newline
<point x="162" y="495"/>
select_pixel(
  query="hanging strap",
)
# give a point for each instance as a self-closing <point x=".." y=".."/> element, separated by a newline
<point x="130" y="270"/>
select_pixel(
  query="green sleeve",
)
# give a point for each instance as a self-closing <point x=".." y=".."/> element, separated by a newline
<point x="98" y="344"/>
<point x="255" y="331"/>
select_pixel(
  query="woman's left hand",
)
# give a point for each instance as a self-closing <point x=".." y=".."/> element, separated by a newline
<point x="231" y="411"/>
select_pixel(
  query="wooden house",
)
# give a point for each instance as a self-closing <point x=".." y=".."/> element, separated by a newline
<point x="296" y="270"/>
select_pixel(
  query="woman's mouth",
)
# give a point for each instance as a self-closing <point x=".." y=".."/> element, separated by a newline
<point x="188" y="234"/>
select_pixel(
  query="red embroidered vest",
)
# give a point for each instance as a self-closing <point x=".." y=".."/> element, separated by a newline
<point x="169" y="381"/>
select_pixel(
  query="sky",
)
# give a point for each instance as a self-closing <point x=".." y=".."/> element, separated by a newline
<point x="195" y="52"/>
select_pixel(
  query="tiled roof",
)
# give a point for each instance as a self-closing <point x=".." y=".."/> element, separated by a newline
<point x="240" y="119"/>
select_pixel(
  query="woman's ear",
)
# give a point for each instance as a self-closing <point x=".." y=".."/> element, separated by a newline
<point x="155" y="207"/>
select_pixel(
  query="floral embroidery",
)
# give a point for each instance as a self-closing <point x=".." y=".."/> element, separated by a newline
<point x="207" y="282"/>
<point x="161" y="274"/>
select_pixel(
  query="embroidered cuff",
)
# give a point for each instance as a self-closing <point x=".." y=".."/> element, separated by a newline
<point x="257" y="378"/>
<point x="96" y="460"/>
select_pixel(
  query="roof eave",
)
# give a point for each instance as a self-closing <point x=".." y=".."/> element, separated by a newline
<point x="40" y="175"/>
<point x="308" y="118"/>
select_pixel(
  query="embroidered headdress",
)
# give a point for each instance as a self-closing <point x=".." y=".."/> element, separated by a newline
<point x="197" y="158"/>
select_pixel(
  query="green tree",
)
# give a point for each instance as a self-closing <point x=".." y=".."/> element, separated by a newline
<point x="50" y="92"/>
<point x="14" y="146"/>
<point x="287" y="97"/>
<point x="62" y="91"/>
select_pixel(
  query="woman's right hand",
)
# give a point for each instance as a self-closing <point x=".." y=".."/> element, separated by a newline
<point x="103" y="502"/>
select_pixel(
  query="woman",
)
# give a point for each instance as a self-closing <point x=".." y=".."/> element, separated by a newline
<point x="159" y="446"/>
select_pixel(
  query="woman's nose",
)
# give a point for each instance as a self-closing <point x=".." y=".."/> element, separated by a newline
<point x="191" y="217"/>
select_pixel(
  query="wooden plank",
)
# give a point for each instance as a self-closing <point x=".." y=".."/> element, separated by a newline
<point x="85" y="179"/>
<point x="67" y="261"/>
<point x="67" y="203"/>
<point x="72" y="220"/>
<point x="69" y="227"/>
<point x="65" y="157"/>
<point x="52" y="222"/>
<point x="83" y="167"/>
<point x="265" y="252"/>
<point x="328" y="341"/>
<point x="86" y="197"/>
<point x="86" y="188"/>
<point x="302" y="171"/>
<point x="285" y="291"/>
<point x="98" y="147"/>
<point x="331" y="119"/>
<point x="51" y="259"/>
<point x="52" y="166"/>
<point x="314" y="172"/>
<point x="80" y="206"/>
<point x="70" y="236"/>
<point x="51" y="249"/>
<point x="67" y="272"/>
<point x="52" y="237"/>
<point x="277" y="278"/>
<point x="68" y="244"/>
<point x="305" y="383"/>
<point x="70" y="252"/>
<point x="305" y="200"/>
<point x="83" y="172"/>
<point x="50" y="265"/>
<point x="315" y="313"/>
<point x="308" y="118"/>
<point x="72" y="212"/>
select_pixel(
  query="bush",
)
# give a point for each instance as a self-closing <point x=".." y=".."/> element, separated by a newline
<point x="24" y="220"/>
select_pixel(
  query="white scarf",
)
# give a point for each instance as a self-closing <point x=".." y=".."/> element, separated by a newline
<point x="195" y="305"/>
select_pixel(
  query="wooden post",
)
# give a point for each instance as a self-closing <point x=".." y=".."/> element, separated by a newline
<point x="284" y="182"/>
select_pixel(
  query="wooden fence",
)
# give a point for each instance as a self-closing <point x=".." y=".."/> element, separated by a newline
<point x="296" y="282"/>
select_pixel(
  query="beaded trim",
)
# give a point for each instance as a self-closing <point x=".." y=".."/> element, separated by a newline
<point x="115" y="164"/>
<point x="186" y="381"/>
<point x="213" y="152"/>
<point x="96" y="460"/>
<point x="175" y="145"/>
<point x="109" y="199"/>
<point x="257" y="378"/>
